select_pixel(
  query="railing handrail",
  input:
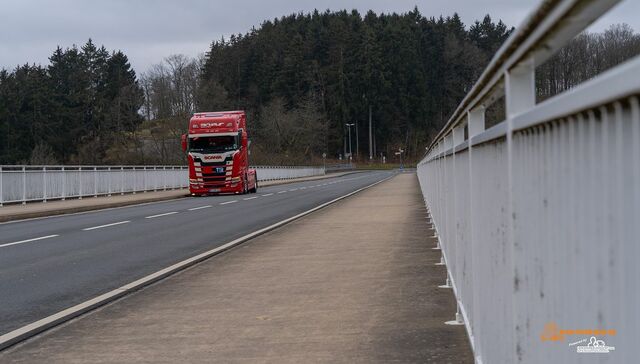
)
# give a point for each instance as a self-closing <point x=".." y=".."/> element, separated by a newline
<point x="541" y="34"/>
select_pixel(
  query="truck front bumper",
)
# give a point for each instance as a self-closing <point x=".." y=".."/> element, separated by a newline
<point x="200" y="189"/>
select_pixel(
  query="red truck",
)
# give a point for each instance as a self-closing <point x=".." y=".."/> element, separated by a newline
<point x="217" y="149"/>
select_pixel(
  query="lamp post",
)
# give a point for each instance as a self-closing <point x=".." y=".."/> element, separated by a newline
<point x="349" y="126"/>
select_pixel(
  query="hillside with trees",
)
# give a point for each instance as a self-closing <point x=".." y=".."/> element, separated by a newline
<point x="71" y="111"/>
<point x="304" y="76"/>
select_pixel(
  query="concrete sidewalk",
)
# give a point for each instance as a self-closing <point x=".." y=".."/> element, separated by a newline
<point x="354" y="282"/>
<point x="58" y="207"/>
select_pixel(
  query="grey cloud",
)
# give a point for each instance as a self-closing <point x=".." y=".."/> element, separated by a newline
<point x="149" y="30"/>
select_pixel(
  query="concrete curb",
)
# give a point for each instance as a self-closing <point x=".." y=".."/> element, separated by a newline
<point x="70" y="210"/>
<point x="25" y="332"/>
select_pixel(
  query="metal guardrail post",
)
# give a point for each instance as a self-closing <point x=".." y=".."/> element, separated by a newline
<point x="109" y="174"/>
<point x="95" y="181"/>
<point x="1" y="190"/>
<point x="24" y="185"/>
<point x="44" y="184"/>
<point x="475" y="121"/>
<point x="133" y="188"/>
<point x="122" y="180"/>
<point x="79" y="183"/>
<point x="64" y="184"/>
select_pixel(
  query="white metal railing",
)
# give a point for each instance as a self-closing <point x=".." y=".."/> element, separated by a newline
<point x="42" y="183"/>
<point x="270" y="173"/>
<point x="538" y="217"/>
<point x="340" y="167"/>
<point x="21" y="184"/>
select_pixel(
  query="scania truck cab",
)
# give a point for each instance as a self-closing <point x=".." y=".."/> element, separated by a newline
<point x="217" y="149"/>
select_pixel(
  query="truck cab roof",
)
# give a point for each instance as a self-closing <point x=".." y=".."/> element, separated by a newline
<point x="214" y="122"/>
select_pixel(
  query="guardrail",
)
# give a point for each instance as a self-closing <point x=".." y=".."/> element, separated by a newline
<point x="21" y="184"/>
<point x="270" y="173"/>
<point x="340" y="167"/>
<point x="537" y="217"/>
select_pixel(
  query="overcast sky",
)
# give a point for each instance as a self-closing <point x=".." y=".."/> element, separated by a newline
<point x="149" y="30"/>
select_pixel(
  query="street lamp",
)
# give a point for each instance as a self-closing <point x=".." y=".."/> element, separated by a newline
<point x="349" y="126"/>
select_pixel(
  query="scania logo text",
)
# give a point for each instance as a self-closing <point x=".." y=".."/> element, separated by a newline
<point x="211" y="125"/>
<point x="212" y="157"/>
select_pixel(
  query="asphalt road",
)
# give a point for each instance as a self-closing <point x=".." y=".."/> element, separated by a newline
<point x="49" y="264"/>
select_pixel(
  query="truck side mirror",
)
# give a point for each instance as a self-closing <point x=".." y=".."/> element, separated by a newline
<point x="183" y="141"/>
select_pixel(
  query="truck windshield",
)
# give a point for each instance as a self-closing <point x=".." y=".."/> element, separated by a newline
<point x="213" y="144"/>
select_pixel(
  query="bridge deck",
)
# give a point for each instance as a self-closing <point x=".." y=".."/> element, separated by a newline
<point x="36" y="209"/>
<point x="354" y="282"/>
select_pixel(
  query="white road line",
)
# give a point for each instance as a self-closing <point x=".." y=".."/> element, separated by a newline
<point x="293" y="189"/>
<point x="303" y="188"/>
<point x="250" y="198"/>
<point x="160" y="215"/>
<point x="199" y="208"/>
<point x="228" y="202"/>
<point x="268" y="194"/>
<point x="318" y="185"/>
<point x="311" y="186"/>
<point x="28" y="240"/>
<point x="282" y="192"/>
<point x="107" y="225"/>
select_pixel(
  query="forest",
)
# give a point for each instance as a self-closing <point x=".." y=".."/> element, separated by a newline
<point x="301" y="78"/>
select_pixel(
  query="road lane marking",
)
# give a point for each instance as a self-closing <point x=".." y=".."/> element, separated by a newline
<point x="268" y="194"/>
<point x="250" y="198"/>
<point x="282" y="192"/>
<point x="107" y="225"/>
<point x="293" y="189"/>
<point x="228" y="202"/>
<point x="28" y="240"/>
<point x="303" y="188"/>
<point x="199" y="208"/>
<point x="160" y="215"/>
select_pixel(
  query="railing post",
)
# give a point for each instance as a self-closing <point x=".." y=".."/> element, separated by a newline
<point x="1" y="191"/>
<point x="24" y="185"/>
<point x="64" y="184"/>
<point x="44" y="184"/>
<point x="121" y="180"/>
<point x="476" y="125"/>
<point x="520" y="96"/>
<point x="109" y="174"/>
<point x="475" y="120"/>
<point x="95" y="181"/>
<point x="79" y="183"/>
<point x="458" y="135"/>
<point x="135" y="180"/>
<point x="520" y="88"/>
<point x="448" y="142"/>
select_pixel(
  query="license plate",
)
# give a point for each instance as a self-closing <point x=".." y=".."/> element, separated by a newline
<point x="214" y="190"/>
<point x="219" y="169"/>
